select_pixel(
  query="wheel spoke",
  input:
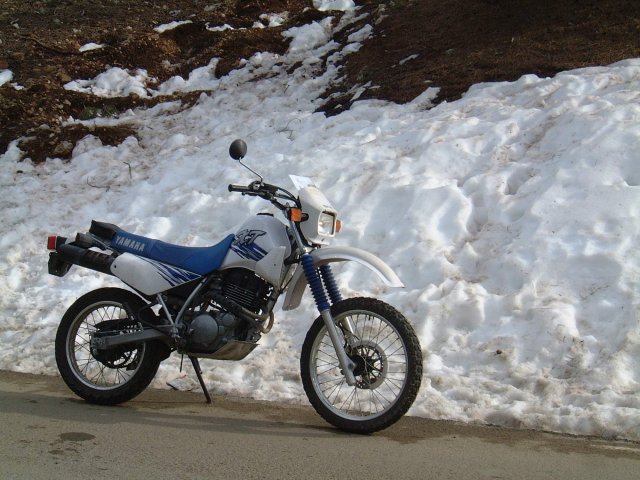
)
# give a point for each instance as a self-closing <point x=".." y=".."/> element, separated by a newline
<point x="337" y="390"/>
<point x="331" y="380"/>
<point x="394" y="383"/>
<point x="350" y="399"/>
<point x="375" y="400"/>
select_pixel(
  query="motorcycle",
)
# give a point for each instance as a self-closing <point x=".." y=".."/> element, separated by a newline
<point x="361" y="362"/>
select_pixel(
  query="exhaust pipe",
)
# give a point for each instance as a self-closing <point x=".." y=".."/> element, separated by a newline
<point x="67" y="254"/>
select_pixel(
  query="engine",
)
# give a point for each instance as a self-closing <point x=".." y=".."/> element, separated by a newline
<point x="246" y="289"/>
<point x="209" y="331"/>
<point x="213" y="327"/>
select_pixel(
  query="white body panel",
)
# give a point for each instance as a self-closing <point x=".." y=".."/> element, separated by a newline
<point x="261" y="245"/>
<point x="149" y="276"/>
<point x="338" y="254"/>
<point x="271" y="267"/>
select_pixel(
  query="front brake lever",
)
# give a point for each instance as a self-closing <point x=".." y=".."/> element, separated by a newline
<point x="255" y="185"/>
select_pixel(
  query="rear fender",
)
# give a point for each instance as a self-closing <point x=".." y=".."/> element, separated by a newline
<point x="323" y="256"/>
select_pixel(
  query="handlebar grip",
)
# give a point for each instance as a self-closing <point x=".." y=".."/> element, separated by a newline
<point x="237" y="188"/>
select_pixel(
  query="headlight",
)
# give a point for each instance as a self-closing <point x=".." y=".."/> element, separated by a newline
<point x="326" y="224"/>
<point x="321" y="223"/>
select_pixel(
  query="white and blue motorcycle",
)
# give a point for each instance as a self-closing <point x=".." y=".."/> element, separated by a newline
<point x="361" y="363"/>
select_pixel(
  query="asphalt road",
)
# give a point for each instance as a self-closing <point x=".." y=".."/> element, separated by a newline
<point x="48" y="433"/>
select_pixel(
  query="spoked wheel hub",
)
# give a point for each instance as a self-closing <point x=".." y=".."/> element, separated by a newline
<point x="371" y="365"/>
<point x="123" y="356"/>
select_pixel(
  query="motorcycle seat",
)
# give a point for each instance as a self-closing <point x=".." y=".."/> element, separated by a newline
<point x="200" y="260"/>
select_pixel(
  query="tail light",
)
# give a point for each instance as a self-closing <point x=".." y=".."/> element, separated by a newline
<point x="51" y="242"/>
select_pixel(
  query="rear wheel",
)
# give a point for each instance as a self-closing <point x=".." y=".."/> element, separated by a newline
<point x="110" y="376"/>
<point x="386" y="352"/>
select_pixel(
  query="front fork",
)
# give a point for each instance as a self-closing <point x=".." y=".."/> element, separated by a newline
<point x="315" y="277"/>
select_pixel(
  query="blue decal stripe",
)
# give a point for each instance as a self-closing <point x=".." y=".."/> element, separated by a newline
<point x="256" y="248"/>
<point x="250" y="251"/>
<point x="165" y="274"/>
<point x="177" y="273"/>
<point x="244" y="253"/>
<point x="173" y="275"/>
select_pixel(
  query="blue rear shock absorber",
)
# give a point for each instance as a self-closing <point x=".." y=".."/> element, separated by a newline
<point x="315" y="282"/>
<point x="330" y="283"/>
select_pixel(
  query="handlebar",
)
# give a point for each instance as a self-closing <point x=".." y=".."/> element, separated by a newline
<point x="266" y="191"/>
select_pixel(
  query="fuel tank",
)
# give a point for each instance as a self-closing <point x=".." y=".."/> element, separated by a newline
<point x="261" y="245"/>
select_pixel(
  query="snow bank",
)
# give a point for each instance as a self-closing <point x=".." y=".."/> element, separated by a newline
<point x="5" y="76"/>
<point x="339" y="5"/>
<point x="87" y="47"/>
<point x="511" y="215"/>
<point x="115" y="82"/>
<point x="170" y="26"/>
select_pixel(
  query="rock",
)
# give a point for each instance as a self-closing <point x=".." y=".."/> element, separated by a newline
<point x="63" y="149"/>
<point x="64" y="76"/>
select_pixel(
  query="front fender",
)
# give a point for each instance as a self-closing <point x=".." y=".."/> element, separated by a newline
<point x="338" y="254"/>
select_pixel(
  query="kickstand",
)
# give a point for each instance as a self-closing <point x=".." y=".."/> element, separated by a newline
<point x="196" y="367"/>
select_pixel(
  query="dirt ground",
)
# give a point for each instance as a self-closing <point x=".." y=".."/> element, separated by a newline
<point x="451" y="44"/>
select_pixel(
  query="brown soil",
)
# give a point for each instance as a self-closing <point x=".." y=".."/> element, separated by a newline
<point x="458" y="43"/>
<point x="450" y="44"/>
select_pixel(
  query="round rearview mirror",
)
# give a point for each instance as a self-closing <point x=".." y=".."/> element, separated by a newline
<point x="238" y="149"/>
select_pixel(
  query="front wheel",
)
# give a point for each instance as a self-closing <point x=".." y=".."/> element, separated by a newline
<point x="386" y="352"/>
<point x="105" y="377"/>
